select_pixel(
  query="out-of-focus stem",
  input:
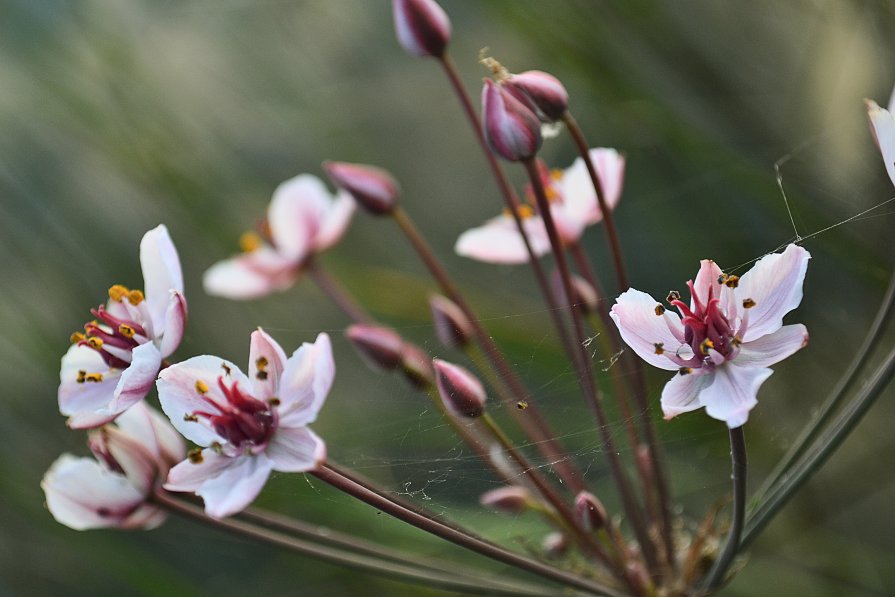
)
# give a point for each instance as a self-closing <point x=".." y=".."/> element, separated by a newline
<point x="585" y="372"/>
<point x="337" y="294"/>
<point x="715" y="576"/>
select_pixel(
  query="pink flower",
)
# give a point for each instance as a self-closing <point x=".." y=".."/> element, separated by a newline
<point x="511" y="128"/>
<point x="722" y="344"/>
<point x="882" y="124"/>
<point x="112" y="364"/>
<point x="247" y="426"/>
<point x="303" y="219"/>
<point x="573" y="206"/>
<point x="133" y="459"/>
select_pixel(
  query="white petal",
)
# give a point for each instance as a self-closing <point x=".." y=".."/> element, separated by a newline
<point x="152" y="430"/>
<point x="136" y="381"/>
<point x="188" y="476"/>
<point x="882" y="123"/>
<point x="775" y="285"/>
<point x="773" y="348"/>
<point x="250" y="275"/>
<point x="138" y="462"/>
<point x="265" y="384"/>
<point x="681" y="393"/>
<point x="499" y="241"/>
<point x="306" y="381"/>
<point x="577" y="189"/>
<point x="296" y="215"/>
<point x="634" y="312"/>
<point x="161" y="272"/>
<point x="179" y="395"/>
<point x="226" y="484"/>
<point x="733" y="393"/>
<point x="296" y="450"/>
<point x="86" y="403"/>
<point x="335" y="221"/>
<point x="175" y="322"/>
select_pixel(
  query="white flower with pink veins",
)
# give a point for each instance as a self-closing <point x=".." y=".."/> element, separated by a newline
<point x="882" y="123"/>
<point x="247" y="425"/>
<point x="723" y="342"/>
<point x="113" y="363"/>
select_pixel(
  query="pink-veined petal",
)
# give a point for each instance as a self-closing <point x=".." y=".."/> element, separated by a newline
<point x="296" y="450"/>
<point x="145" y="517"/>
<point x="706" y="282"/>
<point x="335" y="221"/>
<point x="634" y="312"/>
<point x="152" y="430"/>
<point x="161" y="272"/>
<point x="175" y="323"/>
<point x="250" y="275"/>
<point x="498" y="241"/>
<point x="138" y="461"/>
<point x="882" y="124"/>
<point x="733" y="393"/>
<point x="775" y="285"/>
<point x="266" y="362"/>
<point x="86" y="403"/>
<point x="577" y="189"/>
<point x="305" y="383"/>
<point x="136" y="381"/>
<point x="82" y="495"/>
<point x="681" y="393"/>
<point x="226" y="484"/>
<point x="296" y="215"/>
<point x="773" y="348"/>
<point x="179" y="394"/>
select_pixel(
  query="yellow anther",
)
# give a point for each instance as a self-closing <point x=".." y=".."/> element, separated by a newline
<point x="82" y="376"/>
<point x="77" y="337"/>
<point x="93" y="377"/>
<point x="685" y="371"/>
<point x="525" y="211"/>
<point x="552" y="194"/>
<point x="118" y="292"/>
<point x="660" y="310"/>
<point x="706" y="346"/>
<point x="673" y="295"/>
<point x="748" y="303"/>
<point x="556" y="174"/>
<point x="190" y="418"/>
<point x="261" y="365"/>
<point x="250" y="241"/>
<point x="732" y="281"/>
<point x="226" y="369"/>
<point x="95" y="342"/>
<point x="660" y="347"/>
<point x="126" y="330"/>
<point x="135" y="297"/>
<point x="201" y="386"/>
<point x="195" y="456"/>
<point x="273" y="401"/>
<point x="737" y="340"/>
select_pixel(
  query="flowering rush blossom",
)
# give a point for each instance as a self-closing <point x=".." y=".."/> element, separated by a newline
<point x="113" y="363"/>
<point x="133" y="457"/>
<point x="573" y="205"/>
<point x="722" y="344"/>
<point x="882" y="123"/>
<point x="247" y="425"/>
<point x="303" y="219"/>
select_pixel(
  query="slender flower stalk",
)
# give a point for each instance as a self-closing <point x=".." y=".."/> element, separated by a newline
<point x="738" y="463"/>
<point x="337" y="293"/>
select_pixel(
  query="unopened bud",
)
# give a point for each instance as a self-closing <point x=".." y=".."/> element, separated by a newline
<point x="583" y="294"/>
<point x="509" y="500"/>
<point x="462" y="393"/>
<point x="416" y="364"/>
<point x="451" y="324"/>
<point x="380" y="347"/>
<point x="543" y="90"/>
<point x="373" y="188"/>
<point x="512" y="130"/>
<point x="590" y="511"/>
<point x="638" y="578"/>
<point x="422" y="27"/>
<point x="555" y="545"/>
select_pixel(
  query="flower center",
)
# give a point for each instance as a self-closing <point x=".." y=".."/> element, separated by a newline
<point x="243" y="420"/>
<point x="115" y="335"/>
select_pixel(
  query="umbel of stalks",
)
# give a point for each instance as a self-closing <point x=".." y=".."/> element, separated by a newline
<point x="461" y="391"/>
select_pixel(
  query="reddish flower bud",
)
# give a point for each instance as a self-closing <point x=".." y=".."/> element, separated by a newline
<point x="509" y="500"/>
<point x="583" y="293"/>
<point x="416" y="364"/>
<point x="373" y="188"/>
<point x="543" y="90"/>
<point x="462" y="393"/>
<point x="380" y="347"/>
<point x="555" y="545"/>
<point x="590" y="511"/>
<point x="512" y="130"/>
<point x="451" y="324"/>
<point x="423" y="28"/>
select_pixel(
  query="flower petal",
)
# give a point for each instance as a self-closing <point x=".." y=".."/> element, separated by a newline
<point x="154" y="432"/>
<point x="296" y="450"/>
<point x="179" y="394"/>
<point x="634" y="312"/>
<point x="498" y="241"/>
<point x="296" y="215"/>
<point x="250" y="275"/>
<point x="266" y="362"/>
<point x="86" y="403"/>
<point x="175" y="322"/>
<point x="775" y="285"/>
<point x="681" y="393"/>
<point x="305" y="383"/>
<point x="335" y="221"/>
<point x="577" y="189"/>
<point x="773" y="348"/>
<point x="733" y="392"/>
<point x="161" y="272"/>
<point x="226" y="484"/>
<point x="882" y="123"/>
<point x="706" y="282"/>
<point x="136" y="381"/>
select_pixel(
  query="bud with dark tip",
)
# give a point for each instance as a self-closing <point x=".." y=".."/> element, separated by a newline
<point x="512" y="130"/>
<point x="373" y="188"/>
<point x="544" y="90"/>
<point x="462" y="393"/>
<point x="422" y="27"/>
<point x="590" y="511"/>
<point x="416" y="364"/>
<point x="451" y="324"/>
<point x="380" y="347"/>
<point x="583" y="294"/>
<point x="509" y="500"/>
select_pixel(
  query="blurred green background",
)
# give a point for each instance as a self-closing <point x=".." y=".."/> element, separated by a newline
<point x="117" y="115"/>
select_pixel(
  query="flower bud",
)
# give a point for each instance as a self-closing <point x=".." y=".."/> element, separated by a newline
<point x="543" y="90"/>
<point x="555" y="545"/>
<point x="590" y="511"/>
<point x="451" y="324"/>
<point x="422" y="27"/>
<point x="380" y="347"/>
<point x="509" y="500"/>
<point x="512" y="130"/>
<point x="416" y="364"/>
<point x="373" y="188"/>
<point x="583" y="293"/>
<point x="638" y="577"/>
<point x="462" y="393"/>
